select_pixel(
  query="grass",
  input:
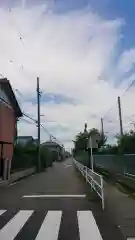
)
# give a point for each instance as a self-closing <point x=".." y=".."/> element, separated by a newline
<point x="126" y="189"/>
<point x="121" y="185"/>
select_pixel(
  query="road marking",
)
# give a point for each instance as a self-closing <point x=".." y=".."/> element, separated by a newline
<point x="2" y="211"/>
<point x="50" y="226"/>
<point x="87" y="226"/>
<point x="12" y="228"/>
<point x="66" y="166"/>
<point x="13" y="184"/>
<point x="54" y="196"/>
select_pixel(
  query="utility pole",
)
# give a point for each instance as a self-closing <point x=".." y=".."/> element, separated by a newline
<point x="102" y="127"/>
<point x="102" y="131"/>
<point x="120" y="117"/>
<point x="38" y="123"/>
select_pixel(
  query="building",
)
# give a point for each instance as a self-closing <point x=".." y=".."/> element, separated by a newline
<point x="55" y="148"/>
<point x="24" y="140"/>
<point x="9" y="114"/>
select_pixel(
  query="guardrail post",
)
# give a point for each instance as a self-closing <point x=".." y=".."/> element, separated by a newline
<point x="91" y="182"/>
<point x="102" y="193"/>
<point x="86" y="175"/>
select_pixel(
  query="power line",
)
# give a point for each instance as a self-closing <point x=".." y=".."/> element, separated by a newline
<point x="18" y="33"/>
<point x="36" y="120"/>
<point x="109" y="110"/>
<point x="25" y="120"/>
<point x="49" y="133"/>
<point x="26" y="115"/>
<point x="130" y="85"/>
<point x="31" y="118"/>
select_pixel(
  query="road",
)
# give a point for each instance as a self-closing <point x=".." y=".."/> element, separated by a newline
<point x="53" y="205"/>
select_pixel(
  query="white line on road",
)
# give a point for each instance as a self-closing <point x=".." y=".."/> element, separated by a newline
<point x="55" y="196"/>
<point x="2" y="211"/>
<point x="87" y="226"/>
<point x="66" y="166"/>
<point x="13" y="184"/>
<point x="12" y="228"/>
<point x="50" y="226"/>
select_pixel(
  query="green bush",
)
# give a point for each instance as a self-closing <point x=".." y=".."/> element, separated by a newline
<point x="27" y="156"/>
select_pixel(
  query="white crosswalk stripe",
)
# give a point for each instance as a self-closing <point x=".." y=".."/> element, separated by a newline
<point x="50" y="226"/>
<point x="13" y="227"/>
<point x="2" y="211"/>
<point x="87" y="226"/>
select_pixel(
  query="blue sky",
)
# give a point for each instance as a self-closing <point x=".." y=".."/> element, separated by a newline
<point x="82" y="50"/>
<point x="110" y="9"/>
<point x="119" y="9"/>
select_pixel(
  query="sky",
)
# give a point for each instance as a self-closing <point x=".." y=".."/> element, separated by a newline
<point x="83" y="52"/>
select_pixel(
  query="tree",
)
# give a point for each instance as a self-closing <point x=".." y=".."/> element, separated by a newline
<point x="26" y="157"/>
<point x="109" y="149"/>
<point x="103" y="138"/>
<point x="82" y="139"/>
<point x="126" y="143"/>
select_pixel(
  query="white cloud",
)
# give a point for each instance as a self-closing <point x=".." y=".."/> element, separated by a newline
<point x="70" y="52"/>
<point x="127" y="60"/>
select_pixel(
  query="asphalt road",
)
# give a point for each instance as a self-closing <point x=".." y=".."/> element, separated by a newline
<point x="53" y="205"/>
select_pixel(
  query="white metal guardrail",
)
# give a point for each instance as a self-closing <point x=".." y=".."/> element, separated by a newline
<point x="129" y="175"/>
<point x="94" y="179"/>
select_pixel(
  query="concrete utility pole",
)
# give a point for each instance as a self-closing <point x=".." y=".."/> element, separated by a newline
<point x="102" y="127"/>
<point x="38" y="123"/>
<point x="120" y="117"/>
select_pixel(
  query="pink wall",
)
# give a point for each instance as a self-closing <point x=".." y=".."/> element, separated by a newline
<point x="7" y="129"/>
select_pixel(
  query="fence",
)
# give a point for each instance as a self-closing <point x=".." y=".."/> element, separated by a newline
<point x="131" y="176"/>
<point x="94" y="179"/>
<point x="114" y="163"/>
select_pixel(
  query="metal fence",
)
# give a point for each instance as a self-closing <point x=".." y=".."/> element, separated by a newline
<point x="114" y="163"/>
<point x="94" y="179"/>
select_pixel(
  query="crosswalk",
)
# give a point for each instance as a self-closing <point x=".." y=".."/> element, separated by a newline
<point x="50" y="225"/>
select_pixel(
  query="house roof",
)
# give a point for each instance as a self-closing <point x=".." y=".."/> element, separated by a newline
<point x="51" y="143"/>
<point x="6" y="86"/>
<point x="25" y="137"/>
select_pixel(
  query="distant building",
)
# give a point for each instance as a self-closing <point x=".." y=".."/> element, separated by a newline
<point x="24" y="140"/>
<point x="9" y="114"/>
<point x="55" y="148"/>
<point x="67" y="154"/>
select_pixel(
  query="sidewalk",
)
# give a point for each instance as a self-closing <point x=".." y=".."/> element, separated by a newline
<point x="122" y="209"/>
